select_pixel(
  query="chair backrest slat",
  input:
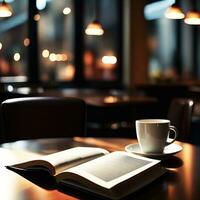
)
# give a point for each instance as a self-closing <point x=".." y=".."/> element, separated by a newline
<point x="42" y="117"/>
<point x="180" y="115"/>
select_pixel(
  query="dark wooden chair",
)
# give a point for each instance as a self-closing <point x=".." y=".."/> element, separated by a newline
<point x="180" y="114"/>
<point x="42" y="117"/>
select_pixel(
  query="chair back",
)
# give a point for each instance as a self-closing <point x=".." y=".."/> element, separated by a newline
<point x="42" y="117"/>
<point x="180" y="114"/>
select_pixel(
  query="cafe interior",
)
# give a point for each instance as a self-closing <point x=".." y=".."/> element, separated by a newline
<point x="91" y="68"/>
<point x="138" y="61"/>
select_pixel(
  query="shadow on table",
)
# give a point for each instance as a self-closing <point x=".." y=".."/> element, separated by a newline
<point x="172" y="162"/>
<point x="155" y="190"/>
<point x="47" y="182"/>
<point x="38" y="177"/>
<point x="44" y="180"/>
<point x="149" y="190"/>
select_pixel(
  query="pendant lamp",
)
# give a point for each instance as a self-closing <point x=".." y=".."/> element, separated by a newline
<point x="174" y="12"/>
<point x="95" y="27"/>
<point x="5" y="9"/>
<point x="193" y="16"/>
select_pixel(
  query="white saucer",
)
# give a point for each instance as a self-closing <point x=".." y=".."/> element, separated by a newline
<point x="168" y="151"/>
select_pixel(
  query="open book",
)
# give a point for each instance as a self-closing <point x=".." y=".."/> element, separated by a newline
<point x="112" y="175"/>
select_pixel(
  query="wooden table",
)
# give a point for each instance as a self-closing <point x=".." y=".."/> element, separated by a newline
<point x="181" y="182"/>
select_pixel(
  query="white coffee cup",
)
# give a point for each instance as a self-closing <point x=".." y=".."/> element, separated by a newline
<point x="153" y="134"/>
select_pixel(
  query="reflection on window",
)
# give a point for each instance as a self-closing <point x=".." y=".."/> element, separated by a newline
<point x="14" y="41"/>
<point x="162" y="46"/>
<point x="56" y="40"/>
<point x="171" y="47"/>
<point x="100" y="54"/>
<point x="54" y="34"/>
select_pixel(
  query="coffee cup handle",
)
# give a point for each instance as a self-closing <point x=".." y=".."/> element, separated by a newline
<point x="171" y="140"/>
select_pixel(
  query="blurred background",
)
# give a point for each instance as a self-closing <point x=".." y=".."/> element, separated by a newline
<point x="50" y="42"/>
<point x="146" y="47"/>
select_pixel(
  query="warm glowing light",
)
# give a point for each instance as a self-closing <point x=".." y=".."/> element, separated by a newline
<point x="192" y="18"/>
<point x="174" y="12"/>
<point x="94" y="28"/>
<point x="70" y="71"/>
<point x="37" y="17"/>
<point x="26" y="42"/>
<point x="64" y="57"/>
<point x="52" y="57"/>
<point x="66" y="11"/>
<point x="45" y="53"/>
<point x="110" y="99"/>
<point x="109" y="60"/>
<point x="1" y="45"/>
<point x="5" y="9"/>
<point x="16" y="57"/>
<point x="67" y="73"/>
<point x="58" y="57"/>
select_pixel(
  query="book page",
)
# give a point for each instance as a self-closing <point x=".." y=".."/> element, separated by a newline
<point x="57" y="162"/>
<point x="68" y="158"/>
<point x="113" y="168"/>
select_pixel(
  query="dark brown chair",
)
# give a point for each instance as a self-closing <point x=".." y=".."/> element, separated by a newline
<point x="180" y="114"/>
<point x="42" y="117"/>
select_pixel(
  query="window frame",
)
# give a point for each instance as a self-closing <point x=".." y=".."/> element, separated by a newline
<point x="79" y="80"/>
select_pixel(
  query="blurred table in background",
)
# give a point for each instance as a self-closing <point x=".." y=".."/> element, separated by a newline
<point x="109" y="112"/>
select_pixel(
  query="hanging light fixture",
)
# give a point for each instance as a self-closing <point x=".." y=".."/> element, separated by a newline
<point x="5" y="9"/>
<point x="174" y="12"/>
<point x="193" y="16"/>
<point x="95" y="27"/>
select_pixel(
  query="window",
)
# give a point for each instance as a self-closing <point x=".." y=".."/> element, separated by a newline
<point x="173" y="46"/>
<point x="67" y="55"/>
<point x="163" y="49"/>
<point x="14" y="43"/>
<point x="101" y="52"/>
<point x="44" y="41"/>
<point x="56" y="41"/>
